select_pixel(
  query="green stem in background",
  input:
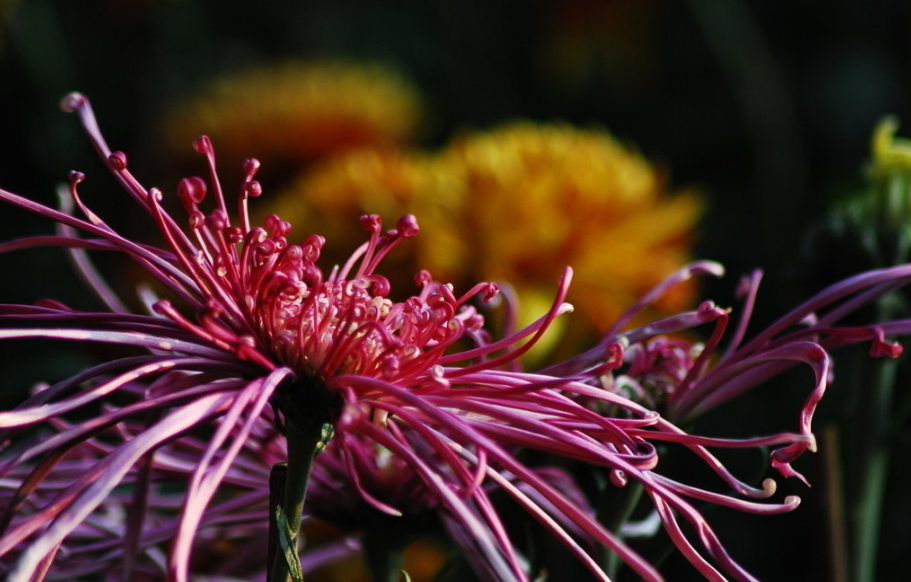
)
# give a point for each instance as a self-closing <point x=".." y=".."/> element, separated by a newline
<point x="615" y="507"/>
<point x="277" y="477"/>
<point x="877" y="418"/>
<point x="383" y="553"/>
<point x="891" y="203"/>
<point x="303" y="444"/>
<point x="881" y="215"/>
<point x="874" y="473"/>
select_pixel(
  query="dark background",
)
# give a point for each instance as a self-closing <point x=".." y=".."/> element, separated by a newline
<point x="766" y="106"/>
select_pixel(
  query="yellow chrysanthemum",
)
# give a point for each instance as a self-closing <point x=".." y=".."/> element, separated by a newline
<point x="538" y="197"/>
<point x="298" y="111"/>
<point x="518" y="204"/>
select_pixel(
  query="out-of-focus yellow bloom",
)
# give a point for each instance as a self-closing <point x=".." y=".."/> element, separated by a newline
<point x="298" y="111"/>
<point x="518" y="204"/>
<point x="539" y="197"/>
<point x="890" y="152"/>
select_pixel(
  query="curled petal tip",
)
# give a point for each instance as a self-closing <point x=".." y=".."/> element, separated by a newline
<point x="882" y="348"/>
<point x="811" y="446"/>
<point x="252" y="188"/>
<point x="491" y="292"/>
<point x="203" y="145"/>
<point x="792" y="500"/>
<point x="72" y="102"/>
<point x="191" y="191"/>
<point x="372" y="223"/>
<point x="614" y="355"/>
<point x="162" y="307"/>
<point x="887" y="349"/>
<point x="117" y="161"/>
<point x="251" y="165"/>
<point x="618" y="478"/>
<point x="695" y="268"/>
<point x="408" y="226"/>
<point x="713" y="268"/>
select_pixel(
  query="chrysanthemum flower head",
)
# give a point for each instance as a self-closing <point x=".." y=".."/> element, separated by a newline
<point x="250" y="321"/>
<point x="296" y="111"/>
<point x="246" y="301"/>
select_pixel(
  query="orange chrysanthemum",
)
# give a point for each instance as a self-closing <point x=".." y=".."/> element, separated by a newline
<point x="298" y="111"/>
<point x="519" y="203"/>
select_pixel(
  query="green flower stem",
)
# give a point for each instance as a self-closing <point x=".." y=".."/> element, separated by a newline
<point x="869" y="508"/>
<point x="878" y="421"/>
<point x="615" y="507"/>
<point x="383" y="554"/>
<point x="303" y="443"/>
<point x="277" y="477"/>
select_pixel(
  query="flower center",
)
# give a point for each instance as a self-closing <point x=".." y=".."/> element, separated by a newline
<point x="268" y="302"/>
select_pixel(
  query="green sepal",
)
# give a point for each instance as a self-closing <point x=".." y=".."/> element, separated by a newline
<point x="326" y="434"/>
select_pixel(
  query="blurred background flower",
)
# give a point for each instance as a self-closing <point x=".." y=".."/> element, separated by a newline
<point x="514" y="204"/>
<point x="293" y="112"/>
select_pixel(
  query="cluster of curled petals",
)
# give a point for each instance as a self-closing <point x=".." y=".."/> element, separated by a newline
<point x="694" y="378"/>
<point x="656" y="369"/>
<point x="297" y="111"/>
<point x="255" y="340"/>
<point x="517" y="202"/>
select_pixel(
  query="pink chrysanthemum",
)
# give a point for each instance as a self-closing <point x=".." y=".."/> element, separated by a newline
<point x="256" y="337"/>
